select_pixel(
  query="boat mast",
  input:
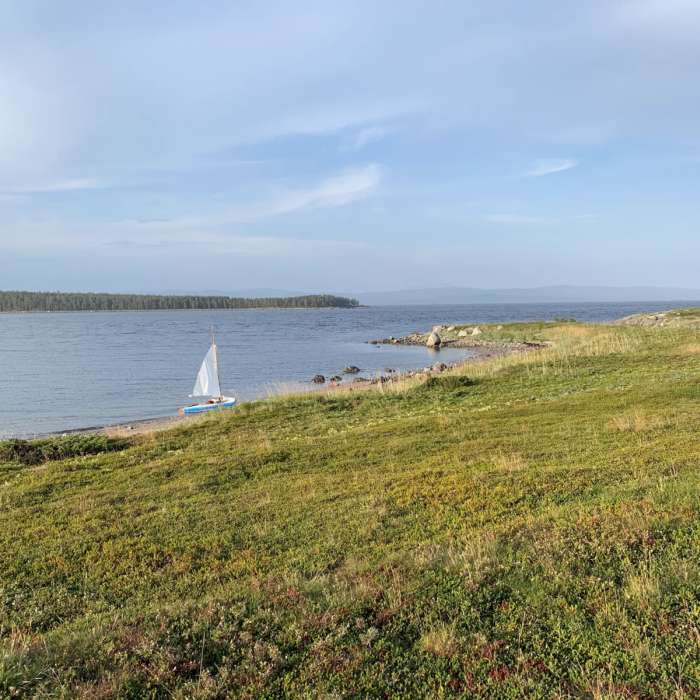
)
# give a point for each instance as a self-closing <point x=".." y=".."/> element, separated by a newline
<point x="216" y="360"/>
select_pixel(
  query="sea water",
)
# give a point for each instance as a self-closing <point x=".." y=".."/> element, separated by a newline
<point x="62" y="371"/>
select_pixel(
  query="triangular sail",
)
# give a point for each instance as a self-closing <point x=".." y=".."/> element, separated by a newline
<point x="207" y="383"/>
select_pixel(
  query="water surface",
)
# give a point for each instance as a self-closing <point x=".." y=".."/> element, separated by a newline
<point x="60" y="371"/>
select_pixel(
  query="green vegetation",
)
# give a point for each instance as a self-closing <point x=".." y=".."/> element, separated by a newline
<point x="51" y="449"/>
<point x="66" y="301"/>
<point x="524" y="527"/>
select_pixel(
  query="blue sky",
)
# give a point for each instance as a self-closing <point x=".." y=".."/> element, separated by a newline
<point x="348" y="146"/>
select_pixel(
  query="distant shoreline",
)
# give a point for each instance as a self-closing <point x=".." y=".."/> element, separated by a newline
<point x="18" y="301"/>
<point x="247" y="308"/>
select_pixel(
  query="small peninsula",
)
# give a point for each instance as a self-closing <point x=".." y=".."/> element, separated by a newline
<point x="19" y="302"/>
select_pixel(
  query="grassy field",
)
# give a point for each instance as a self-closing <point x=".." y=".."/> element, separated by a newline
<point x="524" y="527"/>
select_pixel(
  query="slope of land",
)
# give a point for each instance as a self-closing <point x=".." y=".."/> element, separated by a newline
<point x="523" y="527"/>
<point x="78" y="301"/>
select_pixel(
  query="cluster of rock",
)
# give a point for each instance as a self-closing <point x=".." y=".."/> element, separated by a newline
<point x="390" y="375"/>
<point x="439" y="336"/>
<point x="687" y="318"/>
<point x="350" y="369"/>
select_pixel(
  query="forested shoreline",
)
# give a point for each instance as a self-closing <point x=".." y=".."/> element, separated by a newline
<point x="16" y="301"/>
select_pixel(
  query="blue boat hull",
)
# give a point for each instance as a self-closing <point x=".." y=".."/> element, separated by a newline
<point x="205" y="407"/>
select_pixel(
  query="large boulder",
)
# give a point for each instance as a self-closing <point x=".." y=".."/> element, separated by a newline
<point x="476" y="331"/>
<point x="434" y="340"/>
<point x="351" y="369"/>
<point x="463" y="333"/>
<point x="439" y="367"/>
<point x="319" y="379"/>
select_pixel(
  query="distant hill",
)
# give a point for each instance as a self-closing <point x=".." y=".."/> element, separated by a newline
<point x="14" y="301"/>
<point x="564" y="293"/>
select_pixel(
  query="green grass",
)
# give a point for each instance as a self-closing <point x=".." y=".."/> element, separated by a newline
<point x="524" y="527"/>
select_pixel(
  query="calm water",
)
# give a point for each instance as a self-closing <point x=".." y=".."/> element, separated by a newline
<point x="75" y="370"/>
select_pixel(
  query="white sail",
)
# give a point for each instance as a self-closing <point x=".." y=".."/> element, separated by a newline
<point x="207" y="383"/>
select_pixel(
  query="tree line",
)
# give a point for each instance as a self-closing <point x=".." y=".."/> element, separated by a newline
<point x="84" y="301"/>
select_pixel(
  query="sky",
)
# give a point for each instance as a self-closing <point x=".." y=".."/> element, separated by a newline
<point x="348" y="146"/>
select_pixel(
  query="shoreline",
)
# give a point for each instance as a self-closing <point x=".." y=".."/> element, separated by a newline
<point x="129" y="311"/>
<point x="481" y="351"/>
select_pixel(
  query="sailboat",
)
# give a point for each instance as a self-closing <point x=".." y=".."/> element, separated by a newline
<point x="207" y="385"/>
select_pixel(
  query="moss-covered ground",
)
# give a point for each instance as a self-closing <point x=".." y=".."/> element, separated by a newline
<point x="522" y="527"/>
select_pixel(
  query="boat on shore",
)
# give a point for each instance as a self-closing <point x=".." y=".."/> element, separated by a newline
<point x="207" y="386"/>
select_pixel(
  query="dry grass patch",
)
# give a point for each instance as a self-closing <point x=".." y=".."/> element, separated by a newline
<point x="643" y="588"/>
<point x="440" y="641"/>
<point x="471" y="558"/>
<point x="689" y="349"/>
<point x="509" y="462"/>
<point x="638" y="421"/>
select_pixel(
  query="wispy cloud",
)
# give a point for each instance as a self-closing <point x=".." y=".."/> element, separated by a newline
<point x="518" y="219"/>
<point x="368" y="135"/>
<point x="549" y="166"/>
<point x="274" y="246"/>
<point x="70" y="185"/>
<point x="661" y="13"/>
<point x="335" y="191"/>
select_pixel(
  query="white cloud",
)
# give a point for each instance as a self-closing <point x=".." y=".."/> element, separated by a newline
<point x="518" y="219"/>
<point x="335" y="191"/>
<point x="368" y="135"/>
<point x="660" y="14"/>
<point x="71" y="185"/>
<point x="549" y="166"/>
<point x="272" y="246"/>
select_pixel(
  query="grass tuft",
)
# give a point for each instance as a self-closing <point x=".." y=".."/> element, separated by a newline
<point x="440" y="641"/>
<point x="639" y="420"/>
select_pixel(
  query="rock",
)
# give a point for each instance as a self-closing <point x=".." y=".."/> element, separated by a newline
<point x="439" y="367"/>
<point x="476" y="331"/>
<point x="351" y="369"/>
<point x="336" y="379"/>
<point x="463" y="333"/>
<point x="319" y="379"/>
<point x="434" y="340"/>
<point x="499" y="328"/>
<point x="450" y="328"/>
<point x="389" y="370"/>
<point x="437" y="329"/>
<point x="360" y="380"/>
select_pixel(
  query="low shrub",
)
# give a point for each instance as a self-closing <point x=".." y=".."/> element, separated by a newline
<point x="52" y="449"/>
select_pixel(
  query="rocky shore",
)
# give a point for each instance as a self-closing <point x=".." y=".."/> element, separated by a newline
<point x="483" y="342"/>
<point x="676" y="318"/>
